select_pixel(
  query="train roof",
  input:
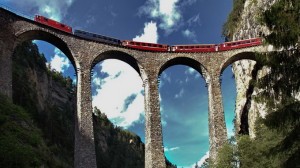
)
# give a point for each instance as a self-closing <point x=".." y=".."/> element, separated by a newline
<point x="195" y="45"/>
<point x="143" y="42"/>
<point x="77" y="30"/>
<point x="243" y="40"/>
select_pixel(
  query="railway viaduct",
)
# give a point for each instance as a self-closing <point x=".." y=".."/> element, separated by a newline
<point x="84" y="54"/>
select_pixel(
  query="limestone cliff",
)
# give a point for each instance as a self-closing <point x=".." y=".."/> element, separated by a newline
<point x="246" y="108"/>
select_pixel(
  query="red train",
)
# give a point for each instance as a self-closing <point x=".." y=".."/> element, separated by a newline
<point x="53" y="23"/>
<point x="152" y="46"/>
<point x="145" y="46"/>
<point x="194" y="48"/>
<point x="240" y="44"/>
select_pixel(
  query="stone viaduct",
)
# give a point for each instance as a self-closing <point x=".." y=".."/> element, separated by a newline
<point x="84" y="54"/>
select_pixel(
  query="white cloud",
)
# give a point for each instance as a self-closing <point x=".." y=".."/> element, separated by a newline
<point x="189" y="34"/>
<point x="162" y="113"/>
<point x="59" y="62"/>
<point x="166" y="149"/>
<point x="149" y="35"/>
<point x="54" y="9"/>
<point x="164" y="77"/>
<point x="165" y="10"/>
<point x="202" y="160"/>
<point x="194" y="20"/>
<point x="192" y="71"/>
<point x="122" y="82"/>
<point x="180" y="94"/>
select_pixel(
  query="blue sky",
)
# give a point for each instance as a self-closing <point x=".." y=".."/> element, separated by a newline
<point x="117" y="88"/>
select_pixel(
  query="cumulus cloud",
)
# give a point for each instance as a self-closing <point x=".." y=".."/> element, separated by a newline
<point x="166" y="10"/>
<point x="120" y="95"/>
<point x="149" y="35"/>
<point x="54" y="9"/>
<point x="59" y="62"/>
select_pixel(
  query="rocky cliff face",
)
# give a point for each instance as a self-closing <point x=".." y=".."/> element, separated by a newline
<point x="246" y="109"/>
<point x="49" y="99"/>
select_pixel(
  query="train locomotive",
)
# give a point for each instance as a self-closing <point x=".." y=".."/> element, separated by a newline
<point x="52" y="23"/>
<point x="150" y="46"/>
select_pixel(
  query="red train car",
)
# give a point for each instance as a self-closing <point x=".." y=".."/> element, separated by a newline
<point x="145" y="46"/>
<point x="240" y="44"/>
<point x="195" y="48"/>
<point x="53" y="23"/>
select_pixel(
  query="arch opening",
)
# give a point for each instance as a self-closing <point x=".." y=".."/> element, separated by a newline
<point x="237" y="85"/>
<point x="237" y="57"/>
<point x="118" y="55"/>
<point x="184" y="114"/>
<point x="183" y="61"/>
<point x="118" y="101"/>
<point x="48" y="37"/>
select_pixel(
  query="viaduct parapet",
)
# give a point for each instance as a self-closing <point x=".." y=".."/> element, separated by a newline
<point x="85" y="53"/>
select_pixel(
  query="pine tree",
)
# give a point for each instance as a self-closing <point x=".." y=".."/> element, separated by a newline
<point x="281" y="85"/>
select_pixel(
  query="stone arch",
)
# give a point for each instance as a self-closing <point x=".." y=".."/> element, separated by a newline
<point x="39" y="34"/>
<point x="122" y="56"/>
<point x="183" y="61"/>
<point x="194" y="114"/>
<point x="237" y="57"/>
<point x="241" y="121"/>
